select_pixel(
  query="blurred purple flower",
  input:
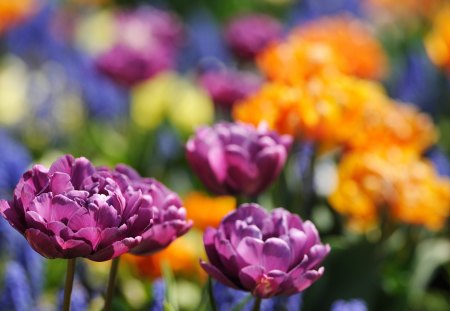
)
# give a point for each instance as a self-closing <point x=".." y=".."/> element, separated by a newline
<point x="350" y="305"/>
<point x="147" y="44"/>
<point x="267" y="254"/>
<point x="237" y="158"/>
<point x="72" y="210"/>
<point x="169" y="215"/>
<point x="128" y="66"/>
<point x="227" y="87"/>
<point x="152" y="24"/>
<point x="248" y="35"/>
<point x="16" y="293"/>
<point x="227" y="298"/>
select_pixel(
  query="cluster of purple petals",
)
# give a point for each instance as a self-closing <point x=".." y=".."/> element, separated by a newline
<point x="227" y="87"/>
<point x="237" y="158"/>
<point x="74" y="210"/>
<point x="267" y="254"/>
<point x="169" y="215"/>
<point x="130" y="61"/>
<point x="248" y="35"/>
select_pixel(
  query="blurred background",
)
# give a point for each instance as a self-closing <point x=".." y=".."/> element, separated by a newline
<point x="363" y="86"/>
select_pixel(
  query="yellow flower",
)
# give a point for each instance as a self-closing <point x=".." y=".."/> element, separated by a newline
<point x="170" y="96"/>
<point x="393" y="181"/>
<point x="13" y="91"/>
<point x="102" y="29"/>
<point x="341" y="43"/>
<point x="437" y="41"/>
<point x="12" y="12"/>
<point x="207" y="211"/>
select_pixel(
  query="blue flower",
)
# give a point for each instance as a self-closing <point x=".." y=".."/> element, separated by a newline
<point x="14" y="159"/>
<point x="79" y="300"/>
<point x="36" y="43"/>
<point x="205" y="42"/>
<point x="227" y="298"/>
<point x="308" y="10"/>
<point x="440" y="161"/>
<point x="350" y="305"/>
<point x="417" y="81"/>
<point x="33" y="263"/>
<point x="159" y="293"/>
<point x="16" y="293"/>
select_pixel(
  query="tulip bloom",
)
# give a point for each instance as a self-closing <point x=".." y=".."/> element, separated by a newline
<point x="227" y="87"/>
<point x="169" y="215"/>
<point x="267" y="254"/>
<point x="248" y="35"/>
<point x="73" y="210"/>
<point x="237" y="158"/>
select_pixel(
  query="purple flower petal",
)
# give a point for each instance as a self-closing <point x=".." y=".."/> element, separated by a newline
<point x="219" y="276"/>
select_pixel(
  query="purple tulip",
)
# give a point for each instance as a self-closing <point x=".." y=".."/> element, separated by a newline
<point x="147" y="43"/>
<point x="128" y="66"/>
<point x="267" y="254"/>
<point x="150" y="24"/>
<point x="237" y="158"/>
<point x="249" y="35"/>
<point x="73" y="210"/>
<point x="227" y="87"/>
<point x="169" y="215"/>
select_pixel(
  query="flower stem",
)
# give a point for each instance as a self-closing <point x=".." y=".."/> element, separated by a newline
<point x="111" y="283"/>
<point x="212" y="301"/>
<point x="257" y="304"/>
<point x="70" y="273"/>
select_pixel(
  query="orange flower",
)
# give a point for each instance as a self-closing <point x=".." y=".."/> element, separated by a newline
<point x="207" y="211"/>
<point x="181" y="256"/>
<point x="393" y="179"/>
<point x="296" y="60"/>
<point x="13" y="11"/>
<point x="437" y="42"/>
<point x="275" y="104"/>
<point x="393" y="124"/>
<point x="340" y="42"/>
<point x="317" y="109"/>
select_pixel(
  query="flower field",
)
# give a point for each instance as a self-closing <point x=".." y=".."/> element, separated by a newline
<point x="225" y="155"/>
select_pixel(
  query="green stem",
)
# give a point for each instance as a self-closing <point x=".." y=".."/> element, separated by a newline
<point x="257" y="304"/>
<point x="70" y="273"/>
<point x="211" y="295"/>
<point x="111" y="283"/>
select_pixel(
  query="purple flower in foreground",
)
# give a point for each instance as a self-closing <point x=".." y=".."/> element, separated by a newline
<point x="267" y="254"/>
<point x="73" y="210"/>
<point x="237" y="158"/>
<point x="227" y="87"/>
<point x="249" y="35"/>
<point x="169" y="215"/>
